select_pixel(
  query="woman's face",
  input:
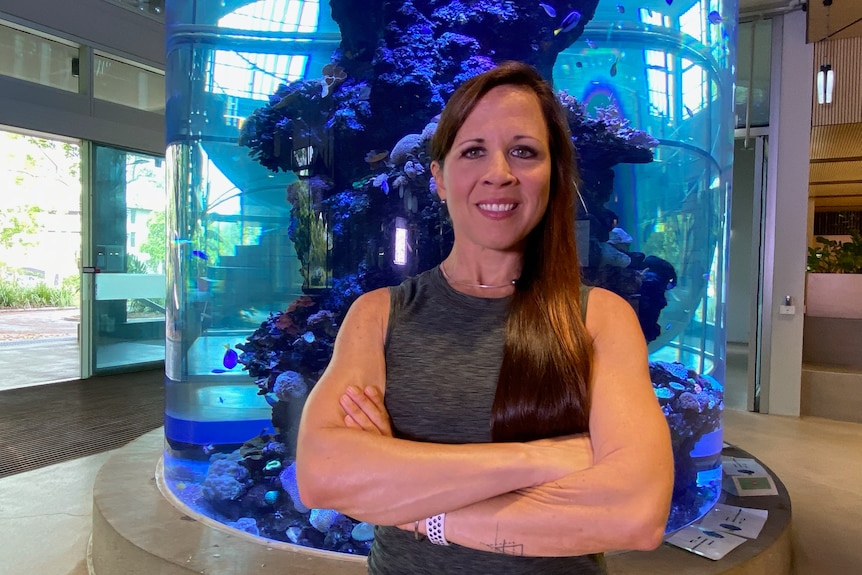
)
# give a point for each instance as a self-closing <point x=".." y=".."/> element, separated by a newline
<point x="496" y="178"/>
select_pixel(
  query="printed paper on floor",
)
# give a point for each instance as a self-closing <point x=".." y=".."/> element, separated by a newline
<point x="742" y="521"/>
<point x="710" y="544"/>
<point x="749" y="485"/>
<point x="741" y="466"/>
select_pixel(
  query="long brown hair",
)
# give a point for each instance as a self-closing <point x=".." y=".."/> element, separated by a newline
<point x="543" y="385"/>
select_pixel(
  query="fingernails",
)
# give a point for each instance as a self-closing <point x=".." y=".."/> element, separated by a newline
<point x="352" y="390"/>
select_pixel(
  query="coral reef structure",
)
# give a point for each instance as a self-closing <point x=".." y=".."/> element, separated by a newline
<point x="357" y="139"/>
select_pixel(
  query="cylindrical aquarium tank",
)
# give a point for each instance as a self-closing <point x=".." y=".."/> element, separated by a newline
<point x="297" y="135"/>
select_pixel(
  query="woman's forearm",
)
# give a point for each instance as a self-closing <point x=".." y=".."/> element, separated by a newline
<point x="599" y="509"/>
<point x="390" y="481"/>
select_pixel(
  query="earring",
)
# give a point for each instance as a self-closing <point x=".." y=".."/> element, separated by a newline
<point x="443" y="201"/>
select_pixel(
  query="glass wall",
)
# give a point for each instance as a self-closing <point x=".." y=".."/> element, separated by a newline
<point x="128" y="84"/>
<point x="34" y="58"/>
<point x="299" y="180"/>
<point x="753" y="74"/>
<point x="51" y="82"/>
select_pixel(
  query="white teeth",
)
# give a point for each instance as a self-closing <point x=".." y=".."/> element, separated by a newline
<point x="497" y="207"/>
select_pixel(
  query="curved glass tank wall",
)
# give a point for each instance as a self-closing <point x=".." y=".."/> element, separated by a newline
<point x="296" y="146"/>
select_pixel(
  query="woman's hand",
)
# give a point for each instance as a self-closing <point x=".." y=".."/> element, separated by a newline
<point x="364" y="410"/>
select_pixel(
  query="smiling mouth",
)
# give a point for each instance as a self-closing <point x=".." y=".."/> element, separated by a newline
<point x="497" y="207"/>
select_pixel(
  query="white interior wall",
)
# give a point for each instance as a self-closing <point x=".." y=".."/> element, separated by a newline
<point x="786" y="216"/>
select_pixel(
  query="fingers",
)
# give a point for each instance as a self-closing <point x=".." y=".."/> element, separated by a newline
<point x="366" y="410"/>
<point x="378" y="414"/>
<point x="351" y="423"/>
<point x="355" y="417"/>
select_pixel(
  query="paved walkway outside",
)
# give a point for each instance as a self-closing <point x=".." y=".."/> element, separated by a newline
<point x="38" y="323"/>
<point x="38" y="346"/>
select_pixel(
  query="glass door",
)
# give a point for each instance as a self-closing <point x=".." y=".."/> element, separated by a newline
<point x="123" y="308"/>
<point x="745" y="270"/>
<point x="40" y="248"/>
<point x="757" y="346"/>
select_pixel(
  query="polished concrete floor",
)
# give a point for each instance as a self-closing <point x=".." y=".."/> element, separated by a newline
<point x="45" y="514"/>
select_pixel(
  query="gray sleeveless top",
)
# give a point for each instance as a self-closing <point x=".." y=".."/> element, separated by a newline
<point x="443" y="354"/>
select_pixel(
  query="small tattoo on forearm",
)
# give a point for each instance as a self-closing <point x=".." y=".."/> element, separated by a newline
<point x="505" y="547"/>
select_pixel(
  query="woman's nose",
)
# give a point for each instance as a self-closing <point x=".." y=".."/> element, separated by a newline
<point x="499" y="171"/>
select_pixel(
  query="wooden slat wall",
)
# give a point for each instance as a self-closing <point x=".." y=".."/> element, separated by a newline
<point x="845" y="57"/>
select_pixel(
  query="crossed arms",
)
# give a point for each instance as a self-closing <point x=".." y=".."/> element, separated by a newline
<point x="553" y="497"/>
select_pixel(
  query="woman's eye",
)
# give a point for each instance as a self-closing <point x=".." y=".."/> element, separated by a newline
<point x="521" y="152"/>
<point x="472" y="153"/>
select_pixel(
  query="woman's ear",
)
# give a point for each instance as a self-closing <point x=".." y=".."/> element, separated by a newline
<point x="437" y="172"/>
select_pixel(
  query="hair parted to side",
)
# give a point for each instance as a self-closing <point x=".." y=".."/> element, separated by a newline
<point x="543" y="385"/>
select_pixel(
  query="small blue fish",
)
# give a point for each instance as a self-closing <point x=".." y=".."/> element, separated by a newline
<point x="230" y="358"/>
<point x="690" y="114"/>
<point x="220" y="399"/>
<point x="385" y="187"/>
<point x="549" y="10"/>
<point x="621" y="9"/>
<point x="730" y="527"/>
<point x="209" y="449"/>
<point x="669" y="2"/>
<point x="219" y="370"/>
<point x="570" y="21"/>
<point x="579" y="64"/>
<point x="714" y="17"/>
<point x="308" y="337"/>
<point x="200" y="254"/>
<point x="270" y="399"/>
<point x="591" y="44"/>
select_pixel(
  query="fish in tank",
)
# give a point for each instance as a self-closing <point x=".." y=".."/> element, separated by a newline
<point x="304" y="181"/>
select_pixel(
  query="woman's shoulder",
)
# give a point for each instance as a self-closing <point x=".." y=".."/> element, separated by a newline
<point x="373" y="301"/>
<point x="601" y="297"/>
<point x="381" y="301"/>
<point x="372" y="306"/>
<point x="607" y="310"/>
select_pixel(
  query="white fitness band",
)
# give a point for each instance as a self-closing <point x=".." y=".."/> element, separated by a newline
<point x="435" y="529"/>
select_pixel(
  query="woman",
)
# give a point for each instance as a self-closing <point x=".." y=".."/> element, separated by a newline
<point x="481" y="414"/>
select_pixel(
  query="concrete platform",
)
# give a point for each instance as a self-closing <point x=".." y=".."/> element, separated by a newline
<point x="136" y="531"/>
<point x="832" y="392"/>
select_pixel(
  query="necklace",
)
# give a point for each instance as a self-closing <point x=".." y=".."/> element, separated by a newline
<point x="470" y="284"/>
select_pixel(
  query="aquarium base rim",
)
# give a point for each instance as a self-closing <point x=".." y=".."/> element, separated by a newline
<point x="137" y="531"/>
<point x="213" y="524"/>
